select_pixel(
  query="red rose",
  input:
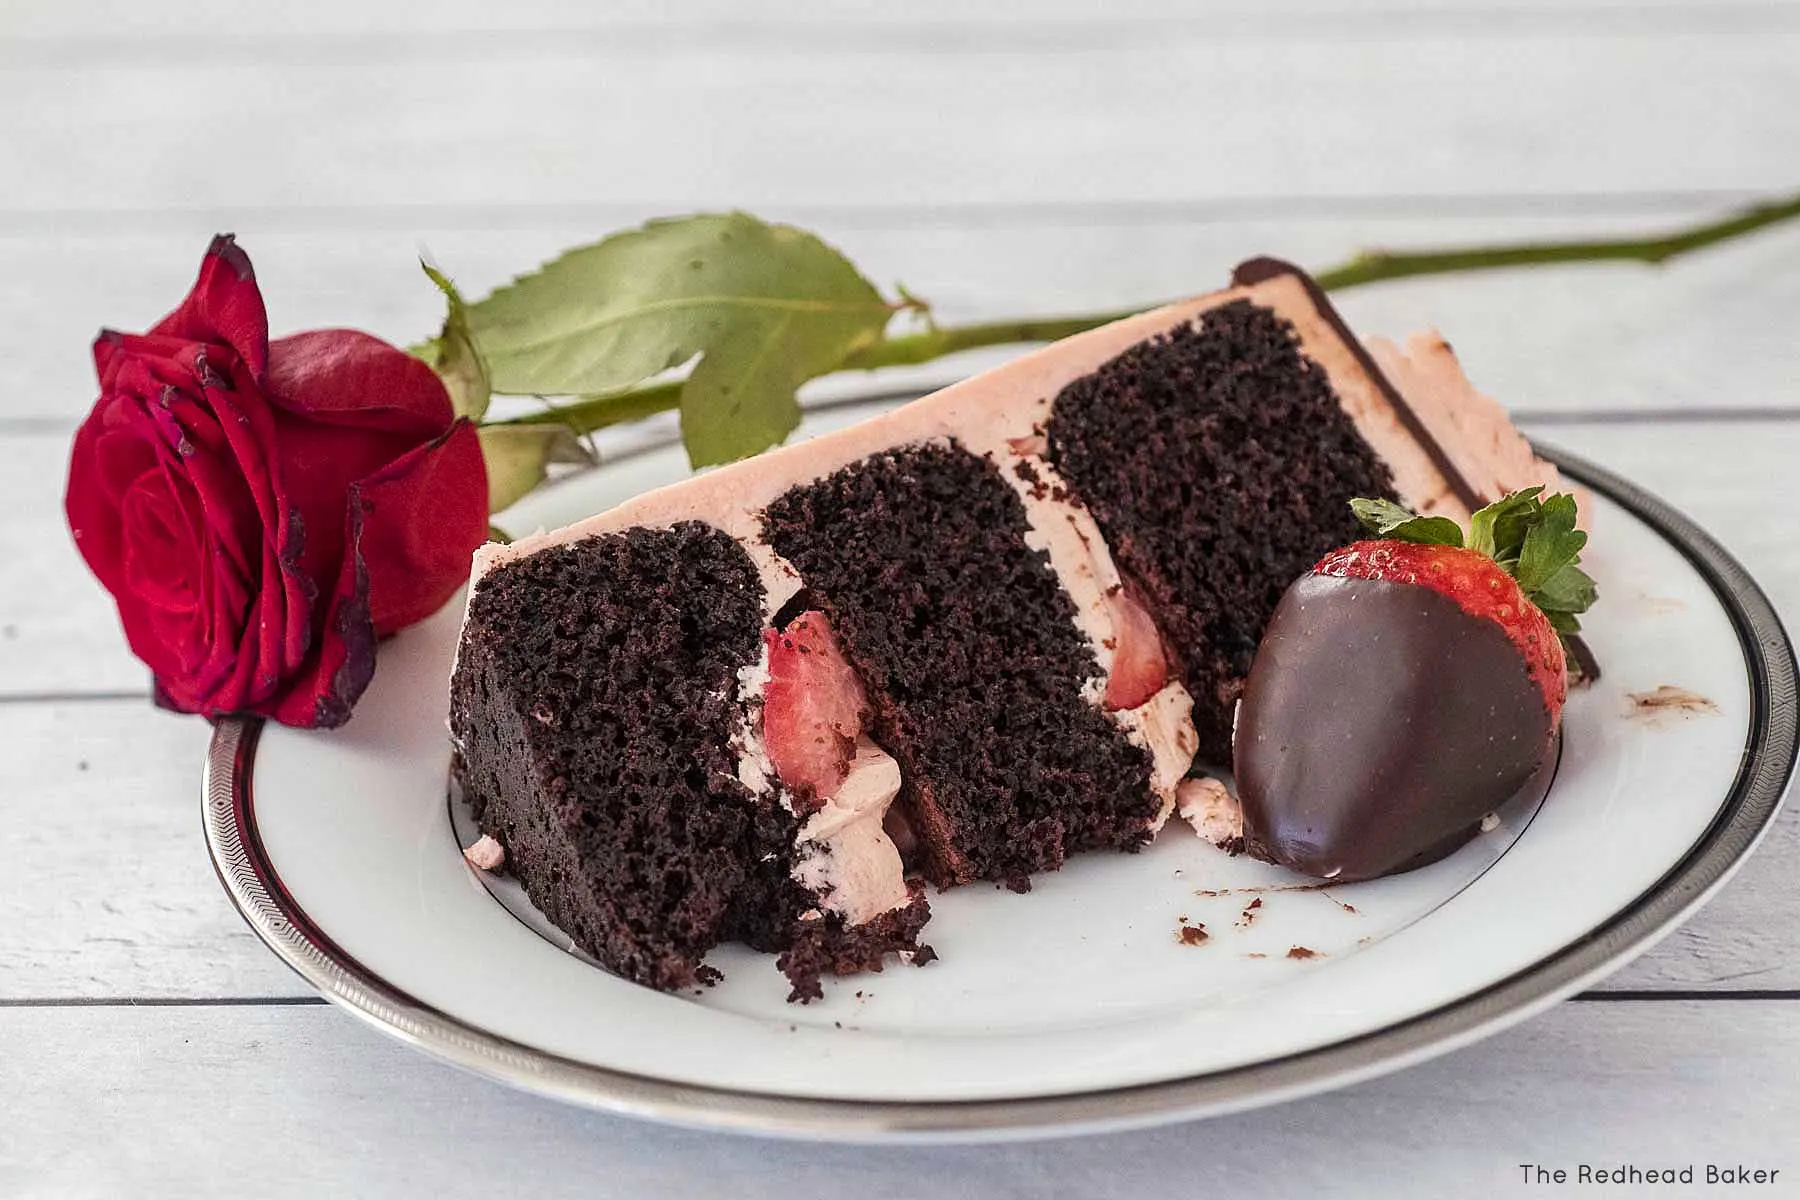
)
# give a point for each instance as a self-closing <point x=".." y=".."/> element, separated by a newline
<point x="263" y="511"/>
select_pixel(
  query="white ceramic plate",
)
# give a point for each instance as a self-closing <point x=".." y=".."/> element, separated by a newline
<point x="1081" y="1005"/>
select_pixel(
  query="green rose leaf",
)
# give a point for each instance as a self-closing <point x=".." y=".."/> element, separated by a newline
<point x="454" y="355"/>
<point x="520" y="456"/>
<point x="762" y="308"/>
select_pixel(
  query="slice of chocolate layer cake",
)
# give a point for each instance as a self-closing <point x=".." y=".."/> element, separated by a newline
<point x="596" y="708"/>
<point x="592" y="707"/>
<point x="959" y="641"/>
<point x="977" y="667"/>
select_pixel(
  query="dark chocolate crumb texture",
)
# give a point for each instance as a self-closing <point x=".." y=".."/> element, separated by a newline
<point x="970" y="649"/>
<point x="1217" y="461"/>
<point x="962" y="640"/>
<point x="592" y="708"/>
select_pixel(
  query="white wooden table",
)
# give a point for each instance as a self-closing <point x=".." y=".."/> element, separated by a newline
<point x="1066" y="158"/>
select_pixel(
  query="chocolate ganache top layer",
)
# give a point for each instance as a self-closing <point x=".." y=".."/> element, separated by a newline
<point x="1253" y="271"/>
<point x="1379" y="725"/>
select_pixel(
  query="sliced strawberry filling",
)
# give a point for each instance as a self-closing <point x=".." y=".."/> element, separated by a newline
<point x="814" y="706"/>
<point x="1139" y="667"/>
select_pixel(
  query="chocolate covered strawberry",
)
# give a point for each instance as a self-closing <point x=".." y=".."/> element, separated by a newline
<point x="1410" y="685"/>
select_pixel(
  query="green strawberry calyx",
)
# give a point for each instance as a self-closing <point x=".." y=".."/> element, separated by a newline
<point x="1532" y="536"/>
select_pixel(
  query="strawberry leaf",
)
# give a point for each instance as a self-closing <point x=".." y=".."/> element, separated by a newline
<point x="1386" y="519"/>
<point x="1534" y="538"/>
<point x="1498" y="530"/>
<point x="1551" y="543"/>
<point x="1571" y="590"/>
<point x="1564" y="623"/>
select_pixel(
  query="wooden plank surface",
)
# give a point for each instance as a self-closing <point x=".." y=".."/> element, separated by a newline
<point x="1171" y="114"/>
<point x="305" y="1102"/>
<point x="59" y="632"/>
<point x="33" y="22"/>
<point x="110" y="893"/>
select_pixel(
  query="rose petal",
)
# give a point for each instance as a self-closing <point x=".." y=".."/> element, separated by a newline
<point x="158" y="544"/>
<point x="225" y="307"/>
<point x="164" y="600"/>
<point x="423" y="517"/>
<point x="322" y="693"/>
<point x="145" y="366"/>
<point x="320" y="454"/>
<point x="410" y="529"/>
<point x="246" y="426"/>
<point x="174" y="641"/>
<point x="315" y="468"/>
<point x="347" y="378"/>
<point x="255" y="625"/>
<point x="352" y="410"/>
<point x="103" y="463"/>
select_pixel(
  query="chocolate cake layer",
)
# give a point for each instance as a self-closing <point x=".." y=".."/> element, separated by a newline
<point x="824" y="945"/>
<point x="592" y="706"/>
<point x="974" y="664"/>
<point x="1253" y="271"/>
<point x="1219" y="464"/>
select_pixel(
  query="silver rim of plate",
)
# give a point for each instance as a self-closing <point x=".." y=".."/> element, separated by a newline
<point x="1745" y="814"/>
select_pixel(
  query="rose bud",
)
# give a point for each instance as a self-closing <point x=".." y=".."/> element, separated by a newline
<point x="263" y="511"/>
